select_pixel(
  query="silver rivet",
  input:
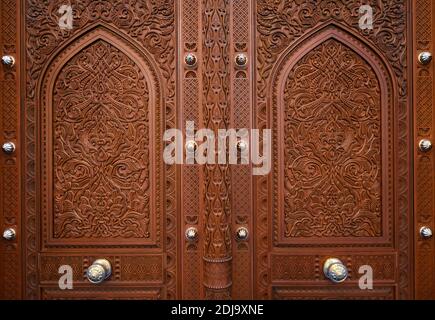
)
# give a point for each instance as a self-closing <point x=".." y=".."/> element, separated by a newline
<point x="9" y="234"/>
<point x="425" y="145"/>
<point x="424" y="57"/>
<point x="425" y="232"/>
<point x="241" y="60"/>
<point x="191" y="234"/>
<point x="8" y="61"/>
<point x="191" y="146"/>
<point x="242" y="145"/>
<point x="190" y="59"/>
<point x="8" y="147"/>
<point x="242" y="234"/>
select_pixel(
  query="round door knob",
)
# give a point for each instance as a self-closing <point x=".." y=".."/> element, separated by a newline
<point x="8" y="147"/>
<point x="8" y="61"/>
<point x="426" y="232"/>
<point x="9" y="234"/>
<point x="424" y="57"/>
<point x="191" y="234"/>
<point x="99" y="271"/>
<point x="425" y="145"/>
<point x="242" y="234"/>
<point x="335" y="270"/>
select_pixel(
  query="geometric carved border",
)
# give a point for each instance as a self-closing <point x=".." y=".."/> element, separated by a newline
<point x="424" y="162"/>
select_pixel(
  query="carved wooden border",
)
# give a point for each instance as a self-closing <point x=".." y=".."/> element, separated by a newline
<point x="423" y="162"/>
<point x="10" y="217"/>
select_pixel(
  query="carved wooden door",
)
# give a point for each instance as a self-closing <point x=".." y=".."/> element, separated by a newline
<point x="95" y="84"/>
<point x="97" y="91"/>
<point x="337" y="98"/>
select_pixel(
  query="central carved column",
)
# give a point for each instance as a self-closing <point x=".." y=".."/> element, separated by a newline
<point x="216" y="115"/>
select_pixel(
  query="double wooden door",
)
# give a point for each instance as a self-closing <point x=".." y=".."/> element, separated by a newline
<point x="95" y="86"/>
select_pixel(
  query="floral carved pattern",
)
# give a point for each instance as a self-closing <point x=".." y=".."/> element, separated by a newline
<point x="331" y="145"/>
<point x="101" y="147"/>
<point x="146" y="27"/>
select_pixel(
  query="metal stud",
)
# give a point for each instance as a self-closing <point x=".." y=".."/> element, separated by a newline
<point x="426" y="232"/>
<point x="425" y="145"/>
<point x="242" y="234"/>
<point x="190" y="59"/>
<point x="424" y="57"/>
<point x="8" y="147"/>
<point x="8" y="61"/>
<point x="241" y="60"/>
<point x="9" y="234"/>
<point x="191" y="234"/>
<point x="191" y="146"/>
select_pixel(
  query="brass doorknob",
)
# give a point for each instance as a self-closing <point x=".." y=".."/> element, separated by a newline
<point x="8" y="61"/>
<point x="425" y="145"/>
<point x="424" y="57"/>
<point x="335" y="270"/>
<point x="99" y="271"/>
<point x="426" y="232"/>
<point x="9" y="234"/>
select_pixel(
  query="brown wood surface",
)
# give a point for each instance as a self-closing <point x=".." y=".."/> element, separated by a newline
<point x="87" y="109"/>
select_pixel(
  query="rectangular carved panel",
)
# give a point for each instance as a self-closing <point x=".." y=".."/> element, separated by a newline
<point x="322" y="293"/>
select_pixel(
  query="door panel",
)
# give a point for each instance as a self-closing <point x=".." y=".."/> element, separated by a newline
<point x="336" y="99"/>
<point x="87" y="107"/>
<point x="97" y="101"/>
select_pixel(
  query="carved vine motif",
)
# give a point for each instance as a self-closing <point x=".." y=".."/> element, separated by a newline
<point x="332" y="142"/>
<point x="280" y="25"/>
<point x="101" y="147"/>
<point x="216" y="115"/>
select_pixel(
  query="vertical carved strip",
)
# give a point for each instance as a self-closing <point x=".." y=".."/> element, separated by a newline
<point x="216" y="115"/>
<point x="424" y="162"/>
<point x="10" y="261"/>
<point x="191" y="264"/>
<point x="241" y="174"/>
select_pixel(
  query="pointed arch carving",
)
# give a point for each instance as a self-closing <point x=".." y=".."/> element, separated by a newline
<point x="100" y="118"/>
<point x="332" y="113"/>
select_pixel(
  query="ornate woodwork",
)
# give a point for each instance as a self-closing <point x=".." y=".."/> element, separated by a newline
<point x="217" y="177"/>
<point x="338" y="137"/>
<point x="10" y="172"/>
<point x="94" y="87"/>
<point x="87" y="107"/>
<point x="424" y="162"/>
